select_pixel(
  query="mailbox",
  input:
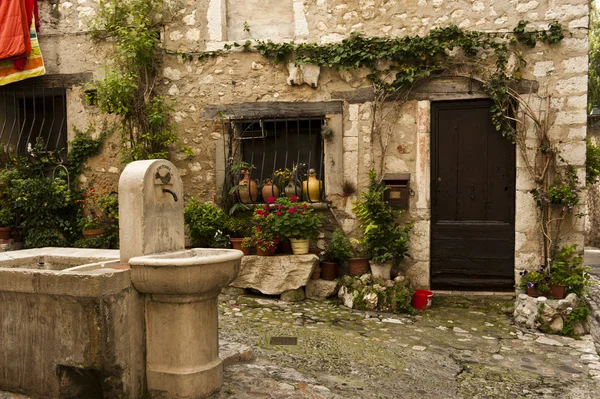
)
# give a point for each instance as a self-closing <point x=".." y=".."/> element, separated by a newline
<point x="398" y="193"/>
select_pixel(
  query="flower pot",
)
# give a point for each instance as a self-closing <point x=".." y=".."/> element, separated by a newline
<point x="269" y="190"/>
<point x="329" y="270"/>
<point x="558" y="291"/>
<point x="316" y="274"/>
<point x="358" y="266"/>
<point x="381" y="271"/>
<point x="247" y="190"/>
<point x="92" y="233"/>
<point x="532" y="292"/>
<point x="260" y="252"/>
<point x="236" y="243"/>
<point x="5" y="233"/>
<point x="285" y="247"/>
<point x="300" y="245"/>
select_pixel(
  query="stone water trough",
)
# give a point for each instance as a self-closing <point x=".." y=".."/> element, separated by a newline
<point x="135" y="323"/>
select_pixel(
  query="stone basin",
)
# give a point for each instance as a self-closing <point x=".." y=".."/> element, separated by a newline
<point x="198" y="271"/>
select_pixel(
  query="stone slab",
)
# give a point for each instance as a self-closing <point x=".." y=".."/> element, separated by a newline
<point x="272" y="275"/>
<point x="321" y="289"/>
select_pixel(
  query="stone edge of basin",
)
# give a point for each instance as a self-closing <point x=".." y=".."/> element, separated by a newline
<point x="197" y="257"/>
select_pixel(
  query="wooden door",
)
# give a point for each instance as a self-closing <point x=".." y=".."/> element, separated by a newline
<point x="473" y="197"/>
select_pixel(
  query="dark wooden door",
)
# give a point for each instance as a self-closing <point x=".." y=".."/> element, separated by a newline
<point x="473" y="197"/>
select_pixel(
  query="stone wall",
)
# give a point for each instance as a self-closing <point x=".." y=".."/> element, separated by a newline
<point x="246" y="77"/>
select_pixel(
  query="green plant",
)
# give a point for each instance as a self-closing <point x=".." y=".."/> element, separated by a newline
<point x="204" y="222"/>
<point x="239" y="226"/>
<point x="592" y="162"/>
<point x="128" y="88"/>
<point x="109" y="206"/>
<point x="291" y="219"/>
<point x="90" y="216"/>
<point x="339" y="249"/>
<point x="85" y="146"/>
<point x="262" y="239"/>
<point x="566" y="268"/>
<point x="7" y="216"/>
<point x="384" y="239"/>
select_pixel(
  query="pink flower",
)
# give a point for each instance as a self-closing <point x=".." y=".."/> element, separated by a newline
<point x="266" y="207"/>
<point x="292" y="210"/>
<point x="278" y="213"/>
<point x="304" y="205"/>
<point x="280" y="207"/>
<point x="257" y="228"/>
<point x="270" y="200"/>
<point x="294" y="198"/>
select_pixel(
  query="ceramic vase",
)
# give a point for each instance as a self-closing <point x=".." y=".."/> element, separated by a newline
<point x="247" y="189"/>
<point x="311" y="188"/>
<point x="269" y="190"/>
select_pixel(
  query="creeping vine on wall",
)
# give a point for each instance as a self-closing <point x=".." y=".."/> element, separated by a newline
<point x="128" y="88"/>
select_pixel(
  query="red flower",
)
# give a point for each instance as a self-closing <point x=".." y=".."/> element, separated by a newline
<point x="294" y="198"/>
<point x="257" y="228"/>
<point x="278" y="213"/>
<point x="292" y="210"/>
<point x="304" y="205"/>
<point x="301" y="212"/>
<point x="270" y="200"/>
<point x="266" y="207"/>
<point x="280" y="207"/>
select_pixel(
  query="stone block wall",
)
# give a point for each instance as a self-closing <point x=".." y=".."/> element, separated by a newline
<point x="246" y="77"/>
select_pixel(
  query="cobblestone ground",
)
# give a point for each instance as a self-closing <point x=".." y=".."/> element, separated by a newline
<point x="461" y="348"/>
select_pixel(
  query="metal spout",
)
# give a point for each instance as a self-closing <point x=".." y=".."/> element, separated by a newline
<point x="166" y="190"/>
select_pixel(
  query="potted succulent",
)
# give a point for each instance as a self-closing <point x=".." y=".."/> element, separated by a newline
<point x="294" y="220"/>
<point x="7" y="221"/>
<point x="384" y="239"/>
<point x="337" y="251"/>
<point x="565" y="274"/>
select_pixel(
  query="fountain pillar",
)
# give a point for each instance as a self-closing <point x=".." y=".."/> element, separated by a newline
<point x="180" y="286"/>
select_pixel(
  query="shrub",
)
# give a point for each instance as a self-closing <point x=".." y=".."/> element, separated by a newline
<point x="206" y="224"/>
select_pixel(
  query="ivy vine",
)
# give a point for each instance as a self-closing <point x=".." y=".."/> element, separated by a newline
<point x="128" y="88"/>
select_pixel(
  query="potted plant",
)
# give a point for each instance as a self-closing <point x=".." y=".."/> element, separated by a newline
<point x="296" y="221"/>
<point x="238" y="228"/>
<point x="207" y="224"/>
<point x="384" y="239"/>
<point x="90" y="215"/>
<point x="265" y="241"/>
<point x="565" y="274"/>
<point x="7" y="221"/>
<point x="337" y="251"/>
<point x="358" y="263"/>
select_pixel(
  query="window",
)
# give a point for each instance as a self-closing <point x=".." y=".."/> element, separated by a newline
<point x="33" y="116"/>
<point x="280" y="145"/>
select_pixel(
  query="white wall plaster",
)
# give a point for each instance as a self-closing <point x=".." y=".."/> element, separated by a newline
<point x="216" y="19"/>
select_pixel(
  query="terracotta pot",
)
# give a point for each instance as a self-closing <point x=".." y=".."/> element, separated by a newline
<point x="558" y="291"/>
<point x="236" y="243"/>
<point x="92" y="233"/>
<point x="260" y="252"/>
<point x="316" y="274"/>
<point x="300" y="245"/>
<point x="5" y="233"/>
<point x="269" y="190"/>
<point x="381" y="271"/>
<point x="329" y="270"/>
<point x="247" y="190"/>
<point x="358" y="266"/>
<point x="285" y="247"/>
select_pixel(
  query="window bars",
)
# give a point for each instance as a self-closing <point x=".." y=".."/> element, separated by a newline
<point x="276" y="157"/>
<point x="32" y="118"/>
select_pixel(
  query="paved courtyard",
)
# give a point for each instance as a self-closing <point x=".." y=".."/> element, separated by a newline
<point x="461" y="348"/>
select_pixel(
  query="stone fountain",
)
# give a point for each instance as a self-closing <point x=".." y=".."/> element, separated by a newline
<point x="180" y="286"/>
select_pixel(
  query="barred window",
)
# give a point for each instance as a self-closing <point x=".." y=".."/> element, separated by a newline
<point x="285" y="151"/>
<point x="32" y="116"/>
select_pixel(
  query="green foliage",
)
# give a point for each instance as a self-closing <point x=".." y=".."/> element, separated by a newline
<point x="553" y="35"/>
<point x="109" y="206"/>
<point x="7" y="216"/>
<point x="128" y="87"/>
<point x="592" y="162"/>
<point x="384" y="238"/>
<point x="339" y="249"/>
<point x="577" y="315"/>
<point x="204" y="222"/>
<point x="239" y="226"/>
<point x="563" y="192"/>
<point x="396" y="298"/>
<point x="84" y="146"/>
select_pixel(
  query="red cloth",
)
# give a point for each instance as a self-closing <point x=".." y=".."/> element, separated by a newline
<point x="14" y="30"/>
<point x="31" y="9"/>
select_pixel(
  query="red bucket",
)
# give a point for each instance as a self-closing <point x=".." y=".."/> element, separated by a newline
<point x="422" y="299"/>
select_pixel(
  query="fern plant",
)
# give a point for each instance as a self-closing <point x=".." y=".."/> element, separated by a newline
<point x="384" y="239"/>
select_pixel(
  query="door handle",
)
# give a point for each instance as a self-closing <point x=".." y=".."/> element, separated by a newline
<point x="472" y="191"/>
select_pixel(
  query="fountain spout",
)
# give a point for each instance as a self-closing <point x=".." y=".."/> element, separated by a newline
<point x="166" y="190"/>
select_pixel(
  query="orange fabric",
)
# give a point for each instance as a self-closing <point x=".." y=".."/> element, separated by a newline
<point x="31" y="64"/>
<point x="14" y="31"/>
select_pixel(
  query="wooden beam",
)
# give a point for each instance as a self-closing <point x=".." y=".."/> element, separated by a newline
<point x="271" y="109"/>
<point x="66" y="81"/>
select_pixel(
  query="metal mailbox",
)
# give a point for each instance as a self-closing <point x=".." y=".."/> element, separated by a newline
<point x="398" y="194"/>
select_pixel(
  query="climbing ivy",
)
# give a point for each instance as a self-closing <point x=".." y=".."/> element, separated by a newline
<point x="128" y="88"/>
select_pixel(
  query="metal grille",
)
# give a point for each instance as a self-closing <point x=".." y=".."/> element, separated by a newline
<point x="283" y="144"/>
<point x="33" y="117"/>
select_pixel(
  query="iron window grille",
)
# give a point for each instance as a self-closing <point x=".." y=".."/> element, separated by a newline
<point x="284" y="150"/>
<point x="33" y="118"/>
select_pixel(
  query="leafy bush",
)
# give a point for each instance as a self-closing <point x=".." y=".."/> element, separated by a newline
<point x="339" y="249"/>
<point x="592" y="162"/>
<point x="291" y="219"/>
<point x="205" y="221"/>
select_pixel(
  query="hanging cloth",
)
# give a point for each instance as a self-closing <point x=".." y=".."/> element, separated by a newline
<point x="33" y="65"/>
<point x="14" y="30"/>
